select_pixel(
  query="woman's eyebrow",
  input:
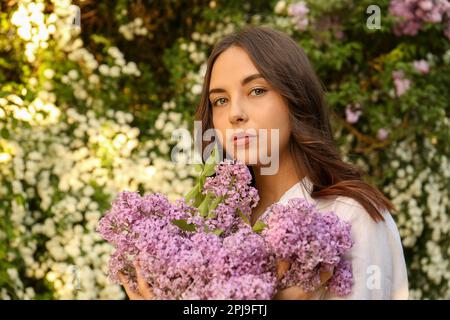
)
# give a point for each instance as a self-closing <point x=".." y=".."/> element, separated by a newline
<point x="243" y="82"/>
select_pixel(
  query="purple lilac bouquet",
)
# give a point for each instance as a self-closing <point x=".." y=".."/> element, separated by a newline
<point x="204" y="247"/>
<point x="200" y="247"/>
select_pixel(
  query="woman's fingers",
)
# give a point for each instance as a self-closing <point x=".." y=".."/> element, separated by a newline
<point x="132" y="295"/>
<point x="143" y="286"/>
<point x="295" y="292"/>
<point x="292" y="293"/>
<point x="144" y="290"/>
<point x="325" y="276"/>
<point x="282" y="267"/>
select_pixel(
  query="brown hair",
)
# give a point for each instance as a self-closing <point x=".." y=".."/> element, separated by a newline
<point x="283" y="63"/>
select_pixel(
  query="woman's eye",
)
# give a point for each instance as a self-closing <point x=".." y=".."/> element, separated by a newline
<point x="215" y="102"/>
<point x="258" y="91"/>
<point x="261" y="90"/>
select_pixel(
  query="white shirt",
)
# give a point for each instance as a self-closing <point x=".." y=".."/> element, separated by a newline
<point x="378" y="263"/>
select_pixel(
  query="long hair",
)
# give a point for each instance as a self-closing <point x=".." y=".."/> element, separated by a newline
<point x="283" y="63"/>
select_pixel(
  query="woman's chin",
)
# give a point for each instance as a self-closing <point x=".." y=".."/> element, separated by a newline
<point x="247" y="155"/>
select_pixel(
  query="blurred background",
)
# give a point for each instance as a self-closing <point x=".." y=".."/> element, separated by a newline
<point x="90" y="92"/>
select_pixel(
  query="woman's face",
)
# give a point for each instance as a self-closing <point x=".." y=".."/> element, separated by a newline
<point x="243" y="102"/>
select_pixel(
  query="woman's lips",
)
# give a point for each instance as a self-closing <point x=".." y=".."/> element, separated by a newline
<point x="242" y="140"/>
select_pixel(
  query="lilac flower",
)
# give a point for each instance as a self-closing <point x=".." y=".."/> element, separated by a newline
<point x="244" y="287"/>
<point x="199" y="262"/>
<point x="401" y="83"/>
<point x="309" y="240"/>
<point x="342" y="280"/>
<point x="299" y="11"/>
<point x="352" y="116"/>
<point x="231" y="183"/>
<point x="421" y="66"/>
<point x="133" y="217"/>
<point x="413" y="14"/>
<point x="382" y="134"/>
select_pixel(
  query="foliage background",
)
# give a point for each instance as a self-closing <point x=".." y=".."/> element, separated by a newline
<point x="87" y="111"/>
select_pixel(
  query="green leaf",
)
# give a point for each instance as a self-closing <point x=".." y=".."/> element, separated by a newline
<point x="199" y="167"/>
<point x="204" y="206"/>
<point x="192" y="194"/>
<point x="218" y="232"/>
<point x="211" y="162"/>
<point x="101" y="39"/>
<point x="199" y="198"/>
<point x="5" y="133"/>
<point x="209" y="170"/>
<point x="211" y="215"/>
<point x="212" y="157"/>
<point x="183" y="225"/>
<point x="215" y="203"/>
<point x="201" y="181"/>
<point x="242" y="215"/>
<point x="259" y="226"/>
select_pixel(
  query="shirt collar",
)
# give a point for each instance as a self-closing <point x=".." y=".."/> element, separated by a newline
<point x="303" y="188"/>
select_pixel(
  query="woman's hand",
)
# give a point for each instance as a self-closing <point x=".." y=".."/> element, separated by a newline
<point x="295" y="292"/>
<point x="144" y="291"/>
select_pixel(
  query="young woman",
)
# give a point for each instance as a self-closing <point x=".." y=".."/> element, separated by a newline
<point x="259" y="78"/>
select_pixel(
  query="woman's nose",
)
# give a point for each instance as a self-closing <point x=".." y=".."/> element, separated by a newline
<point x="237" y="112"/>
